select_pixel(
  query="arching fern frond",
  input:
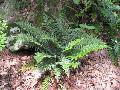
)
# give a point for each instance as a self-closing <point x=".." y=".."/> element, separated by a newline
<point x="85" y="46"/>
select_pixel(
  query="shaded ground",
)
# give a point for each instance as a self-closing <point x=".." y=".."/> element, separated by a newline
<point x="97" y="73"/>
<point x="11" y="75"/>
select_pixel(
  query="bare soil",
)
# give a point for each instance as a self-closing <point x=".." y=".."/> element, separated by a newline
<point x="96" y="73"/>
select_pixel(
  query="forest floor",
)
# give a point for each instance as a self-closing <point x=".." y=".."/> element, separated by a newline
<point x="97" y="73"/>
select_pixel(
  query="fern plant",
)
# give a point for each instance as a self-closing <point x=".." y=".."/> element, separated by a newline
<point x="69" y="47"/>
<point x="69" y="56"/>
<point x="58" y="46"/>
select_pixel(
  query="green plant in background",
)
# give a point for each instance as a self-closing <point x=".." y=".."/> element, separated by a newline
<point x="3" y="27"/>
<point x="105" y="15"/>
<point x="114" y="51"/>
<point x="76" y="1"/>
<point x="21" y="4"/>
<point x="108" y="12"/>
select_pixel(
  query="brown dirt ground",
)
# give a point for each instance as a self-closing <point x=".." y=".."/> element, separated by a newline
<point x="97" y="73"/>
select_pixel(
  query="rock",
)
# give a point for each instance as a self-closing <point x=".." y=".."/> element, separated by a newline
<point x="14" y="45"/>
<point x="14" y="31"/>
